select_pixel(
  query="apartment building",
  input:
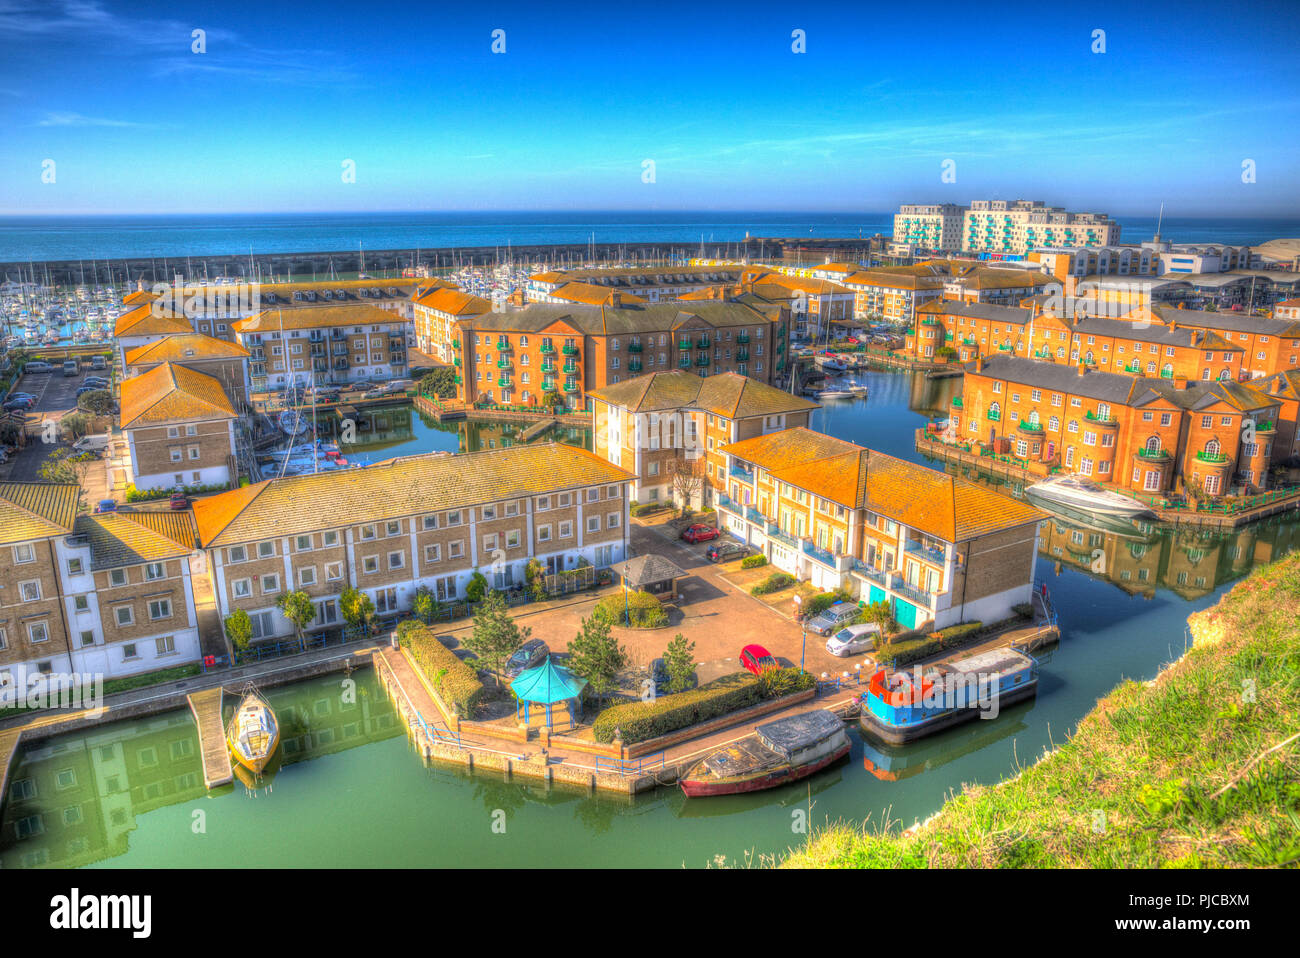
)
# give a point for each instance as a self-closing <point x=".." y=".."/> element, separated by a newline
<point x="224" y="361"/>
<point x="968" y="329"/>
<point x="1285" y="388"/>
<point x="429" y="520"/>
<point x="996" y="285"/>
<point x="940" y="550"/>
<point x="1017" y="226"/>
<point x="1141" y="434"/>
<point x="180" y="429"/>
<point x="1287" y="309"/>
<point x="324" y="344"/>
<point x="662" y="425"/>
<point x="1269" y="346"/>
<point x="145" y="323"/>
<point x="106" y="595"/>
<point x="930" y="226"/>
<point x="654" y="284"/>
<point x="437" y="311"/>
<point x="815" y="304"/>
<point x="213" y="308"/>
<point x="521" y="356"/>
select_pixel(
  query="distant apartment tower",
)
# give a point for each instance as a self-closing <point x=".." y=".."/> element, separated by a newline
<point x="931" y="226"/>
<point x="1014" y="227"/>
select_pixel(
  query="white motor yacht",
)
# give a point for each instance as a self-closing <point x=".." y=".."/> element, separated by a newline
<point x="1077" y="493"/>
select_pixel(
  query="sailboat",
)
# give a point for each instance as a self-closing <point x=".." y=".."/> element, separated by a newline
<point x="254" y="733"/>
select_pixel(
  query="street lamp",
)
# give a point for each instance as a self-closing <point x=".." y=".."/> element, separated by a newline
<point x="803" y="625"/>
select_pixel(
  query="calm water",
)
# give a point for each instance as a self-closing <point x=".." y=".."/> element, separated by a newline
<point x="24" y="238"/>
<point x="351" y="791"/>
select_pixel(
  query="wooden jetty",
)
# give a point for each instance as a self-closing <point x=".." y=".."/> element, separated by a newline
<point x="537" y="428"/>
<point x="8" y="749"/>
<point x="206" y="706"/>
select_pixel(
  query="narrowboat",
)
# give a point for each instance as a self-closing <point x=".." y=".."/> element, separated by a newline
<point x="253" y="734"/>
<point x="898" y="707"/>
<point x="776" y="753"/>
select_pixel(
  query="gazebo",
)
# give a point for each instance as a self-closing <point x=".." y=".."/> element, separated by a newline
<point x="547" y="684"/>
<point x="651" y="573"/>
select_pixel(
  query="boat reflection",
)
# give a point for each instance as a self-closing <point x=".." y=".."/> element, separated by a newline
<point x="892" y="763"/>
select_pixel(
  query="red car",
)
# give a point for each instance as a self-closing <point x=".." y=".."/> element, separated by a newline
<point x="179" y="501"/>
<point x="757" y="659"/>
<point x="700" y="533"/>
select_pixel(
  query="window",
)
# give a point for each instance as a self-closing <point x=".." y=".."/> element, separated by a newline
<point x="593" y="523"/>
<point x="512" y="539"/>
<point x="431" y="521"/>
<point x="124" y="615"/>
<point x="566" y="530"/>
<point x="81" y="603"/>
<point x="370" y="565"/>
<point x="396" y="560"/>
<point x="160" y="609"/>
<point x="242" y="588"/>
<point x="544" y="533"/>
<point x="154" y="570"/>
<point x="393" y="529"/>
<point x="30" y="591"/>
<point x="433" y="553"/>
<point x="488" y="513"/>
<point x="368" y="532"/>
<point x="303" y="543"/>
<point x="237" y="554"/>
<point x="612" y="520"/>
<point x="456" y="550"/>
<point x="25" y="552"/>
<point x="307" y="575"/>
<point x="333" y="571"/>
<point x="330" y="538"/>
<point x="270" y="584"/>
<point x="74" y="566"/>
<point x="543" y="503"/>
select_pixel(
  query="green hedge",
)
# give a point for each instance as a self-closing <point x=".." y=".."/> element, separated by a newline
<point x="639" y="721"/>
<point x="648" y="508"/>
<point x="823" y="601"/>
<point x="643" y="610"/>
<point x="909" y="650"/>
<point x="773" y="583"/>
<point x="456" y="682"/>
<point x="753" y="562"/>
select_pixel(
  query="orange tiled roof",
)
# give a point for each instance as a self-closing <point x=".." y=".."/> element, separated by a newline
<point x="452" y="300"/>
<point x="593" y="294"/>
<point x="145" y="320"/>
<point x="183" y="346"/>
<point x="316" y="317"/>
<point x="172" y="393"/>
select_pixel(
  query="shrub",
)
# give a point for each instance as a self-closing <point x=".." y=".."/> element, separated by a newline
<point x="774" y="683"/>
<point x="477" y="587"/>
<point x="1023" y="609"/>
<point x="639" y="721"/>
<point x="99" y="401"/>
<point x="753" y="562"/>
<point x="910" y="650"/>
<point x="823" y="601"/>
<point x="773" y="583"/>
<point x="644" y="610"/>
<point x="457" y="682"/>
<point x="648" y="508"/>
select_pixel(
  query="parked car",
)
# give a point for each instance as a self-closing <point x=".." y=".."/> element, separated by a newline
<point x="98" y="363"/>
<point x="756" y="659"/>
<point x="700" y="533"/>
<point x="91" y="443"/>
<point x="854" y="639"/>
<point x="19" y="394"/>
<point x="725" y="551"/>
<point x="82" y="390"/>
<point x="106" y="505"/>
<point x="97" y="381"/>
<point x="832" y="618"/>
<point x="179" y="500"/>
<point x="11" y="404"/>
<point x="374" y="394"/>
<point x="71" y="368"/>
<point x="532" y="653"/>
<point x="38" y="367"/>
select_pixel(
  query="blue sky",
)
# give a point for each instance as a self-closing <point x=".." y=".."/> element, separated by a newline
<point x="731" y="117"/>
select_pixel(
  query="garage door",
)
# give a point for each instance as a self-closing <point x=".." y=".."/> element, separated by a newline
<point x="905" y="613"/>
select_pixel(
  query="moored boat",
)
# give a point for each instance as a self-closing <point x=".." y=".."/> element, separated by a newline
<point x="253" y="734"/>
<point x="776" y="753"/>
<point x="899" y="707"/>
<point x="1079" y="493"/>
<point x="292" y="424"/>
<point x="835" y="394"/>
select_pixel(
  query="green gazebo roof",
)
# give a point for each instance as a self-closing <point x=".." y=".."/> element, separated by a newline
<point x="547" y="683"/>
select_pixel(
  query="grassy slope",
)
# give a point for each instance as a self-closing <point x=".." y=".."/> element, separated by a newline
<point x="1174" y="766"/>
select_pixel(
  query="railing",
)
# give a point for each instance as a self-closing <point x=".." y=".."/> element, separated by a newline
<point x="1265" y="426"/>
<point x="736" y="472"/>
<point x="634" y="365"/>
<point x="956" y="401"/>
<point x="1216" y="457"/>
<point x="824" y="556"/>
<point x="634" y="347"/>
<point x="570" y="387"/>
<point x="869" y="572"/>
<point x="569" y="350"/>
<point x="994" y="416"/>
<point x="774" y="532"/>
<point x="727" y="503"/>
<point x="504" y="345"/>
<point x="916" y="594"/>
<point x="630" y="766"/>
<point x="929" y="553"/>
<point x="1103" y="420"/>
<point x="1145" y="453"/>
<point x="548" y="348"/>
<point x="1029" y="426"/>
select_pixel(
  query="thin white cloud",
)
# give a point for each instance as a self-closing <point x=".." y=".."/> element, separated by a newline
<point x="78" y="119"/>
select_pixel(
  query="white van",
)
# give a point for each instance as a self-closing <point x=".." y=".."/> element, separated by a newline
<point x="37" y="367"/>
<point x="91" y="443"/>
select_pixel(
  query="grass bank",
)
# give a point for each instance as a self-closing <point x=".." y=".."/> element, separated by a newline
<point x="1198" y="768"/>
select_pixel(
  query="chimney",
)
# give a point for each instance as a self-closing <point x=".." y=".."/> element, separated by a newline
<point x="616" y="300"/>
<point x="1180" y="382"/>
<point x="979" y="362"/>
<point x="1082" y="369"/>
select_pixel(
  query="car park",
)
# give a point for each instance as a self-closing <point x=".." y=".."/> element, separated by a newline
<point x="830" y="619"/>
<point x="700" y="533"/>
<point x="756" y="659"/>
<point x="529" y="655"/>
<point x="725" y="550"/>
<point x="854" y="639"/>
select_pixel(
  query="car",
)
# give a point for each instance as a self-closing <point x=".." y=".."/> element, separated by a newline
<point x="532" y="653"/>
<point x="38" y="367"/>
<point x="756" y="659"/>
<point x="11" y="404"/>
<point x="853" y="639"/>
<point x="374" y="394"/>
<point x="82" y="390"/>
<point x="97" y="443"/>
<point x="19" y="394"/>
<point x="179" y="500"/>
<point x="106" y="505"/>
<point x="98" y="381"/>
<point x="71" y="368"/>
<point x="98" y="363"/>
<point x="831" y="618"/>
<point x="725" y="550"/>
<point x="700" y="533"/>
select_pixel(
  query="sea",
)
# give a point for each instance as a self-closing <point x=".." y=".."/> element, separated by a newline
<point x="35" y="239"/>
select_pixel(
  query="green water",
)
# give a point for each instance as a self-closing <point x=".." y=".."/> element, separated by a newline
<point x="353" y="792"/>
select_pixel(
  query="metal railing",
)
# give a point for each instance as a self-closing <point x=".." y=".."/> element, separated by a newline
<point x="630" y="766"/>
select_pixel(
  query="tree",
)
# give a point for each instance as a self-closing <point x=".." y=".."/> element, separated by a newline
<point x="679" y="661"/>
<point x="440" y="383"/>
<point x="298" y="608"/>
<point x="535" y="576"/>
<point x="596" y="655"/>
<point x="356" y="607"/>
<point x="425" y="605"/>
<point x="75" y="425"/>
<point x="98" y="401"/>
<point x="688" y="480"/>
<point x="477" y="587"/>
<point x="496" y="635"/>
<point x="239" y="630"/>
<point x="552" y="398"/>
<point x="882" y="614"/>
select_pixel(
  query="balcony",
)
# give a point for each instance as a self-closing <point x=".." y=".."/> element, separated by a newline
<point x="1153" y="455"/>
<point x="548" y="384"/>
<point x="1266" y="426"/>
<point x="994" y="416"/>
<point x="634" y="365"/>
<point x="1101" y="420"/>
<point x="899" y="585"/>
<point x="1213" y="457"/>
<point x="570" y="367"/>
<point x="703" y="360"/>
<point x="570" y="387"/>
<point x="742" y="355"/>
<point x="774" y="532"/>
<point x="823" y="556"/>
<point x="504" y="382"/>
<point x="730" y="505"/>
<point x="1026" y="426"/>
<point x="457" y="380"/>
<point x="504" y="363"/>
<point x="684" y="344"/>
<point x="754" y="516"/>
<point x="684" y="362"/>
<point x="780" y="345"/>
<point x="569" y="350"/>
<point x="455" y="344"/>
<point x="932" y="554"/>
<point x="703" y="343"/>
<point x="455" y="361"/>
<point x="548" y="349"/>
<point x="744" y="475"/>
<point x="870" y="573"/>
<point x="743" y="339"/>
<point x="548" y="366"/>
<point x="503" y="345"/>
<point x="634" y="347"/>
